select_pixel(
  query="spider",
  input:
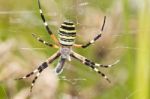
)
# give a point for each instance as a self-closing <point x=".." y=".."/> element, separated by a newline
<point x="65" y="42"/>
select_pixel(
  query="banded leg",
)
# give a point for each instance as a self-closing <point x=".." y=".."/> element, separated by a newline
<point x="46" y="24"/>
<point x="44" y="42"/>
<point x="101" y="65"/>
<point x="95" y="38"/>
<point x="34" y="80"/>
<point x="50" y="60"/>
<point x="90" y="64"/>
<point x="40" y="69"/>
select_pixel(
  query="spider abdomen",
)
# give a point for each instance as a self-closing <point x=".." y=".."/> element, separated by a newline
<point x="67" y="33"/>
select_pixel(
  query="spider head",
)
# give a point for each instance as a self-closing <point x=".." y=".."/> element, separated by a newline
<point x="65" y="52"/>
<point x="67" y="33"/>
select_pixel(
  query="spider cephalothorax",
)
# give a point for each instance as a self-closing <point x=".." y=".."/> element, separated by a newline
<point x="66" y="40"/>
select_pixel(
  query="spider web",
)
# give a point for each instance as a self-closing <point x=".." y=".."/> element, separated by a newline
<point x="81" y="5"/>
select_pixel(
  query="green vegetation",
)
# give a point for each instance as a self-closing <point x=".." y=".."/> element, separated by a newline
<point x="125" y="37"/>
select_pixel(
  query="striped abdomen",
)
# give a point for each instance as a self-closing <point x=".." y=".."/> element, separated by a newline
<point x="67" y="33"/>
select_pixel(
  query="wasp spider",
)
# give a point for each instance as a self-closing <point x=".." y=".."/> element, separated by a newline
<point x="65" y="42"/>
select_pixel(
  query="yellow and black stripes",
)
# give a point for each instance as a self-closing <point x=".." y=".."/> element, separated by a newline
<point x="67" y="33"/>
<point x="44" y="42"/>
<point x="92" y="64"/>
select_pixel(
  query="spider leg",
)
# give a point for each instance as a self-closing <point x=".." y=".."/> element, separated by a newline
<point x="43" y="66"/>
<point x="29" y="74"/>
<point x="95" y="38"/>
<point x="44" y="42"/>
<point x="90" y="64"/>
<point x="102" y="65"/>
<point x="40" y="69"/>
<point x="46" y="24"/>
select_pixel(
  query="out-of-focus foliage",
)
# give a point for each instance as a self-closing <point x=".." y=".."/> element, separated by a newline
<point x="125" y="37"/>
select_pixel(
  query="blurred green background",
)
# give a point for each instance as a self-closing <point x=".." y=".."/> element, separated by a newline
<point x="125" y="37"/>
